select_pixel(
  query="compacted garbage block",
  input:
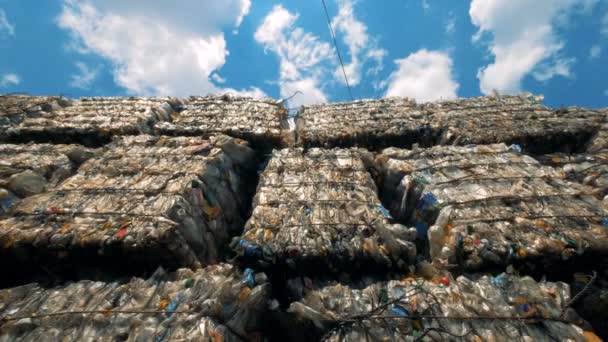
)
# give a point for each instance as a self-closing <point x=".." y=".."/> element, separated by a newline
<point x="490" y="206"/>
<point x="262" y="122"/>
<point x="91" y="121"/>
<point x="484" y="308"/>
<point x="146" y="201"/>
<point x="216" y="303"/>
<point x="318" y="210"/>
<point x="30" y="169"/>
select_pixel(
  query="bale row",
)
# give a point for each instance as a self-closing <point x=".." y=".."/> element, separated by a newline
<point x="217" y="303"/>
<point x="491" y="308"/>
<point x="15" y="108"/>
<point x="30" y="169"/>
<point x="489" y="206"/>
<point x="258" y="121"/>
<point x="147" y="200"/>
<point x="318" y="210"/>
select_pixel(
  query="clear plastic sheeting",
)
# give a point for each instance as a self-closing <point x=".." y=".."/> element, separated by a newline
<point x="30" y="169"/>
<point x="481" y="206"/>
<point x="258" y="121"/>
<point x="319" y="210"/>
<point x="93" y="120"/>
<point x="147" y="200"/>
<point x="366" y="123"/>
<point x="15" y="108"/>
<point x="491" y="308"/>
<point x="519" y="119"/>
<point x="217" y="303"/>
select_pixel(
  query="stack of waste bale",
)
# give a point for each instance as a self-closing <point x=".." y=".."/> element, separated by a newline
<point x="519" y="119"/>
<point x="15" y="108"/>
<point x="367" y="123"/>
<point x="30" y="169"/>
<point x="92" y="120"/>
<point x="319" y="210"/>
<point x="259" y="121"/>
<point x="217" y="303"/>
<point x="147" y="201"/>
<point x="490" y="308"/>
<point x="489" y="206"/>
<point x="600" y="140"/>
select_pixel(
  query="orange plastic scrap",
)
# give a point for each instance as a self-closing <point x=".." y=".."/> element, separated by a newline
<point x="590" y="336"/>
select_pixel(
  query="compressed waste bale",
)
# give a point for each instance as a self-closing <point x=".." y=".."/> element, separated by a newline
<point x="519" y="119"/>
<point x="255" y="120"/>
<point x="366" y="123"/>
<point x="488" y="205"/>
<point x="30" y="169"/>
<point x="92" y="120"/>
<point x="318" y="210"/>
<point x="149" y="200"/>
<point x="217" y="303"/>
<point x="501" y="308"/>
<point x="15" y="108"/>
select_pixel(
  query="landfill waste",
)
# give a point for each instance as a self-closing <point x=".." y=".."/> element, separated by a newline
<point x="487" y="308"/>
<point x="15" y="108"/>
<point x="592" y="293"/>
<point x="318" y="209"/>
<point x="150" y="200"/>
<point x="259" y="121"/>
<point x="400" y="122"/>
<point x="488" y="205"/>
<point x="30" y="169"/>
<point x="92" y="120"/>
<point x="209" y="304"/>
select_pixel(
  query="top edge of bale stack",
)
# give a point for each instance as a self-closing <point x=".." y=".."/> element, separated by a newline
<point x="90" y="121"/>
<point x="151" y="200"/>
<point x="259" y="121"/>
<point x="318" y="210"/>
<point x="401" y="122"/>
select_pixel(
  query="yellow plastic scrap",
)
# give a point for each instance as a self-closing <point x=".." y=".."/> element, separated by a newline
<point x="244" y="294"/>
<point x="268" y="234"/>
<point x="163" y="304"/>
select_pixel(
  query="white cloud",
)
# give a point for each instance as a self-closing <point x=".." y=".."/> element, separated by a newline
<point x="604" y="27"/>
<point x="302" y="56"/>
<point x="85" y="76"/>
<point x="450" y="26"/>
<point x="595" y="51"/>
<point x="9" y="79"/>
<point x="426" y="5"/>
<point x="424" y="75"/>
<point x="523" y="39"/>
<point x="360" y="47"/>
<point x="5" y="26"/>
<point x="156" y="48"/>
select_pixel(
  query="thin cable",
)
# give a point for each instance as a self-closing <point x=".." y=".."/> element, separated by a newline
<point x="333" y="36"/>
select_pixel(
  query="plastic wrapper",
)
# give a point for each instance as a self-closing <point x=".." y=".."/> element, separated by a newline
<point x="257" y="121"/>
<point x="487" y="206"/>
<point x="400" y="122"/>
<point x="319" y="210"/>
<point x="92" y="121"/>
<point x="498" y="308"/>
<point x="146" y="200"/>
<point x="30" y="169"/>
<point x="211" y="304"/>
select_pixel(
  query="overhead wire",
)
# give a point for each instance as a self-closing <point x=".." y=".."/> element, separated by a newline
<point x="333" y="37"/>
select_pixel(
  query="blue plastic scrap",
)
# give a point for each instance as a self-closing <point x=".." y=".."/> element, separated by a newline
<point x="174" y="304"/>
<point x="250" y="249"/>
<point x="250" y="277"/>
<point x="604" y="221"/>
<point x="384" y="211"/>
<point x="515" y="148"/>
<point x="398" y="310"/>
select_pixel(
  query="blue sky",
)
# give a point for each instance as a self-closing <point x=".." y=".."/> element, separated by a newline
<point x="425" y="49"/>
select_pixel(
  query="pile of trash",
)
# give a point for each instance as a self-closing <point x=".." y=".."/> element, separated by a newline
<point x="92" y="120"/>
<point x="257" y="121"/>
<point x="489" y="308"/>
<point x="217" y="303"/>
<point x="318" y="210"/>
<point x="366" y="123"/>
<point x="519" y="119"/>
<point x="15" y="108"/>
<point x="488" y="205"/>
<point x="30" y="169"/>
<point x="149" y="200"/>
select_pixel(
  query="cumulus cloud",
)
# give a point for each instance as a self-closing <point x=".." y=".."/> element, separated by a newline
<point x="9" y="79"/>
<point x="85" y="76"/>
<point x="523" y="40"/>
<point x="450" y="26"/>
<point x="361" y="47"/>
<point x="595" y="51"/>
<point x="6" y="28"/>
<point x="425" y="76"/>
<point x="302" y="56"/>
<point x="156" y="48"/>
<point x="426" y="5"/>
<point x="604" y="28"/>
